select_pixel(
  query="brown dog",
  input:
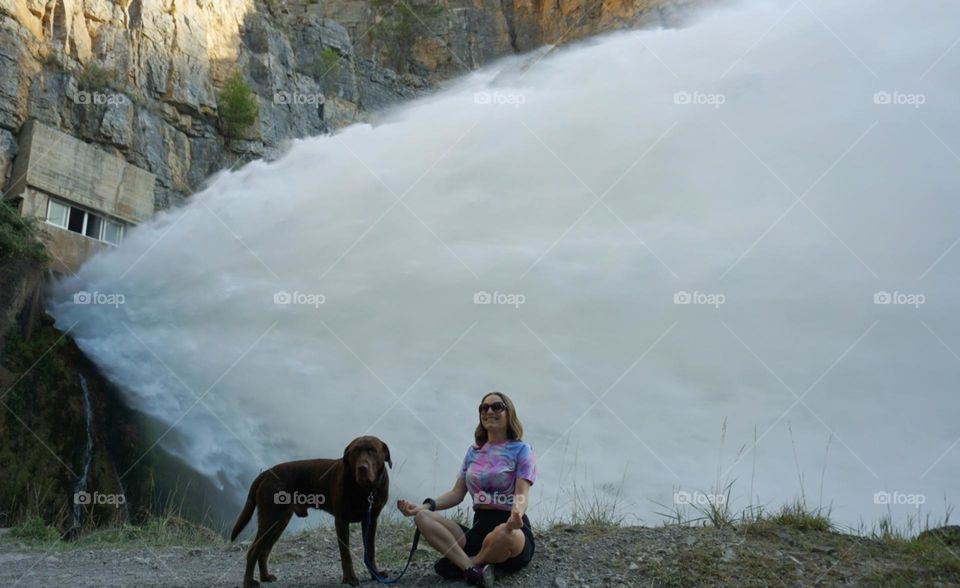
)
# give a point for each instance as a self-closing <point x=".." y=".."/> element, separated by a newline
<point x="340" y="487"/>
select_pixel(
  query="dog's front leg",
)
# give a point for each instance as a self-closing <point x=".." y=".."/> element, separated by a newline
<point x="346" y="561"/>
<point x="370" y="533"/>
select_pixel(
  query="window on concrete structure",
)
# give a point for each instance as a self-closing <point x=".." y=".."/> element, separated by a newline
<point x="57" y="213"/>
<point x="93" y="226"/>
<point x="84" y="222"/>
<point x="112" y="232"/>
<point x="77" y="220"/>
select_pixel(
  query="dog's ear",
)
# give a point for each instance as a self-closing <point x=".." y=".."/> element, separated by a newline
<point x="386" y="454"/>
<point x="346" y="455"/>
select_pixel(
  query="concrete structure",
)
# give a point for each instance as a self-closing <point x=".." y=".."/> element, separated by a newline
<point x="84" y="197"/>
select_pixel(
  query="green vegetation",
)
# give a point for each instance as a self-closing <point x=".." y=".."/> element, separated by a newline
<point x="237" y="105"/>
<point x="598" y="509"/>
<point x="715" y="508"/>
<point x="326" y="68"/>
<point x="329" y="63"/>
<point x="924" y="554"/>
<point x="18" y="236"/>
<point x="94" y="78"/>
<point x="718" y="511"/>
<point x="165" y="527"/>
<point x="35" y="531"/>
<point x="399" y="26"/>
<point x="274" y="5"/>
<point x="30" y="487"/>
<point x="52" y="60"/>
<point x="20" y="354"/>
<point x="155" y="532"/>
<point x="796" y="516"/>
<point x="165" y="530"/>
<point x="404" y="36"/>
<point x="938" y="549"/>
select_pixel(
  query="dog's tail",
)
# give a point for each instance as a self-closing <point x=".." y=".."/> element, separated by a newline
<point x="247" y="511"/>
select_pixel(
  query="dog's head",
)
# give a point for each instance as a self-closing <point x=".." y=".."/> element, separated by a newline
<point x="366" y="458"/>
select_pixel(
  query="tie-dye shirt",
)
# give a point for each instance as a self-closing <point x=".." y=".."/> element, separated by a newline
<point x="491" y="472"/>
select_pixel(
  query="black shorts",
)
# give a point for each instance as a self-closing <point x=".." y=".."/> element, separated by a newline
<point x="486" y="520"/>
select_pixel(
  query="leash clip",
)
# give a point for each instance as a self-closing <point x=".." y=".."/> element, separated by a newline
<point x="370" y="498"/>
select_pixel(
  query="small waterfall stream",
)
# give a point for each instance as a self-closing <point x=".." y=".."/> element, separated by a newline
<point x="81" y="488"/>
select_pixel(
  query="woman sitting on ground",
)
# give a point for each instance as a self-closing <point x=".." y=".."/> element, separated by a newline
<point x="498" y="470"/>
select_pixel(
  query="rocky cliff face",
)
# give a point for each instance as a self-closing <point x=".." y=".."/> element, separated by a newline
<point x="142" y="77"/>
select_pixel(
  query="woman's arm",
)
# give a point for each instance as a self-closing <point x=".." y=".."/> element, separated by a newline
<point x="521" y="493"/>
<point x="452" y="497"/>
<point x="448" y="499"/>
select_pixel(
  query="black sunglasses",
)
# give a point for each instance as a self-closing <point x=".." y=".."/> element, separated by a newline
<point x="496" y="407"/>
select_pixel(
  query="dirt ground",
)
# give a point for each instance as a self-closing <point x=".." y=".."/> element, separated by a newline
<point x="565" y="557"/>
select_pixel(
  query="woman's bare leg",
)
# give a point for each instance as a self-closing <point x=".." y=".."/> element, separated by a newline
<point x="445" y="536"/>
<point x="500" y="545"/>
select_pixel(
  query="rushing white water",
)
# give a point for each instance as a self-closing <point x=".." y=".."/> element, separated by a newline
<point x="495" y="187"/>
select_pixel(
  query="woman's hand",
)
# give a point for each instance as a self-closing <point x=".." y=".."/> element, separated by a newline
<point x="515" y="521"/>
<point x="408" y="508"/>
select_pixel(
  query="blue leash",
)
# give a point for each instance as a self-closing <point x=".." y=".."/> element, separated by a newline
<point x="366" y="549"/>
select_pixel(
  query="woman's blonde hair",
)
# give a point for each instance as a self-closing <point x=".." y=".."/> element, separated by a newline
<point x="514" y="428"/>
